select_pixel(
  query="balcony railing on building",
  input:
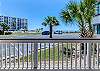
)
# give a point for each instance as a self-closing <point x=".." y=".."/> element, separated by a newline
<point x="52" y="54"/>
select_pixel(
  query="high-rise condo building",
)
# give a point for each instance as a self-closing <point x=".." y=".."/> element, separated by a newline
<point x="14" y="23"/>
<point x="96" y="19"/>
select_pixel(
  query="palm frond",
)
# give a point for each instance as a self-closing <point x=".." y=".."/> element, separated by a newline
<point x="4" y="26"/>
<point x="50" y="20"/>
<point x="82" y="13"/>
<point x="65" y="15"/>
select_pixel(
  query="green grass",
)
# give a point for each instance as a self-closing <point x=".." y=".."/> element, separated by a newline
<point x="46" y="56"/>
<point x="45" y="53"/>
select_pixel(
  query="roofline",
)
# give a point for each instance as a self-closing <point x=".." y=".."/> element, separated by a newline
<point x="14" y="17"/>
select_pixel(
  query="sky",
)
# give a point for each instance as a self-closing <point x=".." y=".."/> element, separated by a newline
<point x="35" y="11"/>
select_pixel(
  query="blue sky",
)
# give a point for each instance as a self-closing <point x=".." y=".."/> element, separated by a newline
<point x="35" y="11"/>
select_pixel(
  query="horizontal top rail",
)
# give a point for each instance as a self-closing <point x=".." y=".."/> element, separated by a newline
<point x="51" y="40"/>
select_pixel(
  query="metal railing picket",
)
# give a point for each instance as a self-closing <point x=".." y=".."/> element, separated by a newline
<point x="27" y="54"/>
<point x="18" y="56"/>
<point x="62" y="55"/>
<point x="84" y="55"/>
<point x="35" y="55"/>
<point x="14" y="55"/>
<point x="32" y="55"/>
<point x="40" y="55"/>
<point x="80" y="56"/>
<point x="93" y="55"/>
<point x="22" y="55"/>
<point x="9" y="55"/>
<point x="1" y="56"/>
<point x="58" y="55"/>
<point x="76" y="56"/>
<point x="44" y="55"/>
<point x="49" y="55"/>
<point x="97" y="55"/>
<point x="71" y="55"/>
<point x="53" y="55"/>
<point x="67" y="56"/>
<point x="5" y="45"/>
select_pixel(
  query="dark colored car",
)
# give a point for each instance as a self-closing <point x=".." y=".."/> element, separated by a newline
<point x="45" y="33"/>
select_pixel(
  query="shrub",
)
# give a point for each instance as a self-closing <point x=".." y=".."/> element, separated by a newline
<point x="8" y="33"/>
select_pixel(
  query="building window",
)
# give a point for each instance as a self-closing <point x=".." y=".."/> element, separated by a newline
<point x="98" y="8"/>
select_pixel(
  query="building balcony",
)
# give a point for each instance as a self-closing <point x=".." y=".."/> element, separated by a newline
<point x="50" y="54"/>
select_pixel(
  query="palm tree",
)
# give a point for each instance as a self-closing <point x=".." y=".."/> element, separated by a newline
<point x="51" y="21"/>
<point x="41" y="29"/>
<point x="82" y="13"/>
<point x="89" y="14"/>
<point x="4" y="26"/>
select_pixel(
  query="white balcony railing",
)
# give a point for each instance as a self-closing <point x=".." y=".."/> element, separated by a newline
<point x="52" y="54"/>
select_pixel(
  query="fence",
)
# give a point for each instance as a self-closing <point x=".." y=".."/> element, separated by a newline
<point x="49" y="54"/>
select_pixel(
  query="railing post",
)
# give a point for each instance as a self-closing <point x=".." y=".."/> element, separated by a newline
<point x="97" y="55"/>
<point x="35" y="55"/>
<point x="89" y="55"/>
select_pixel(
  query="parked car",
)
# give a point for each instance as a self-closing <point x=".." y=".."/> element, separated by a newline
<point x="58" y="32"/>
<point x="45" y="33"/>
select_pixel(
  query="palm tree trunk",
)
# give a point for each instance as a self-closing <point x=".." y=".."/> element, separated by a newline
<point x="3" y="31"/>
<point x="50" y="31"/>
<point x="82" y="36"/>
<point x="90" y="29"/>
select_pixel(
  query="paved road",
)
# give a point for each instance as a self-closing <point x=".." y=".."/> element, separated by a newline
<point x="72" y="35"/>
<point x="64" y="36"/>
